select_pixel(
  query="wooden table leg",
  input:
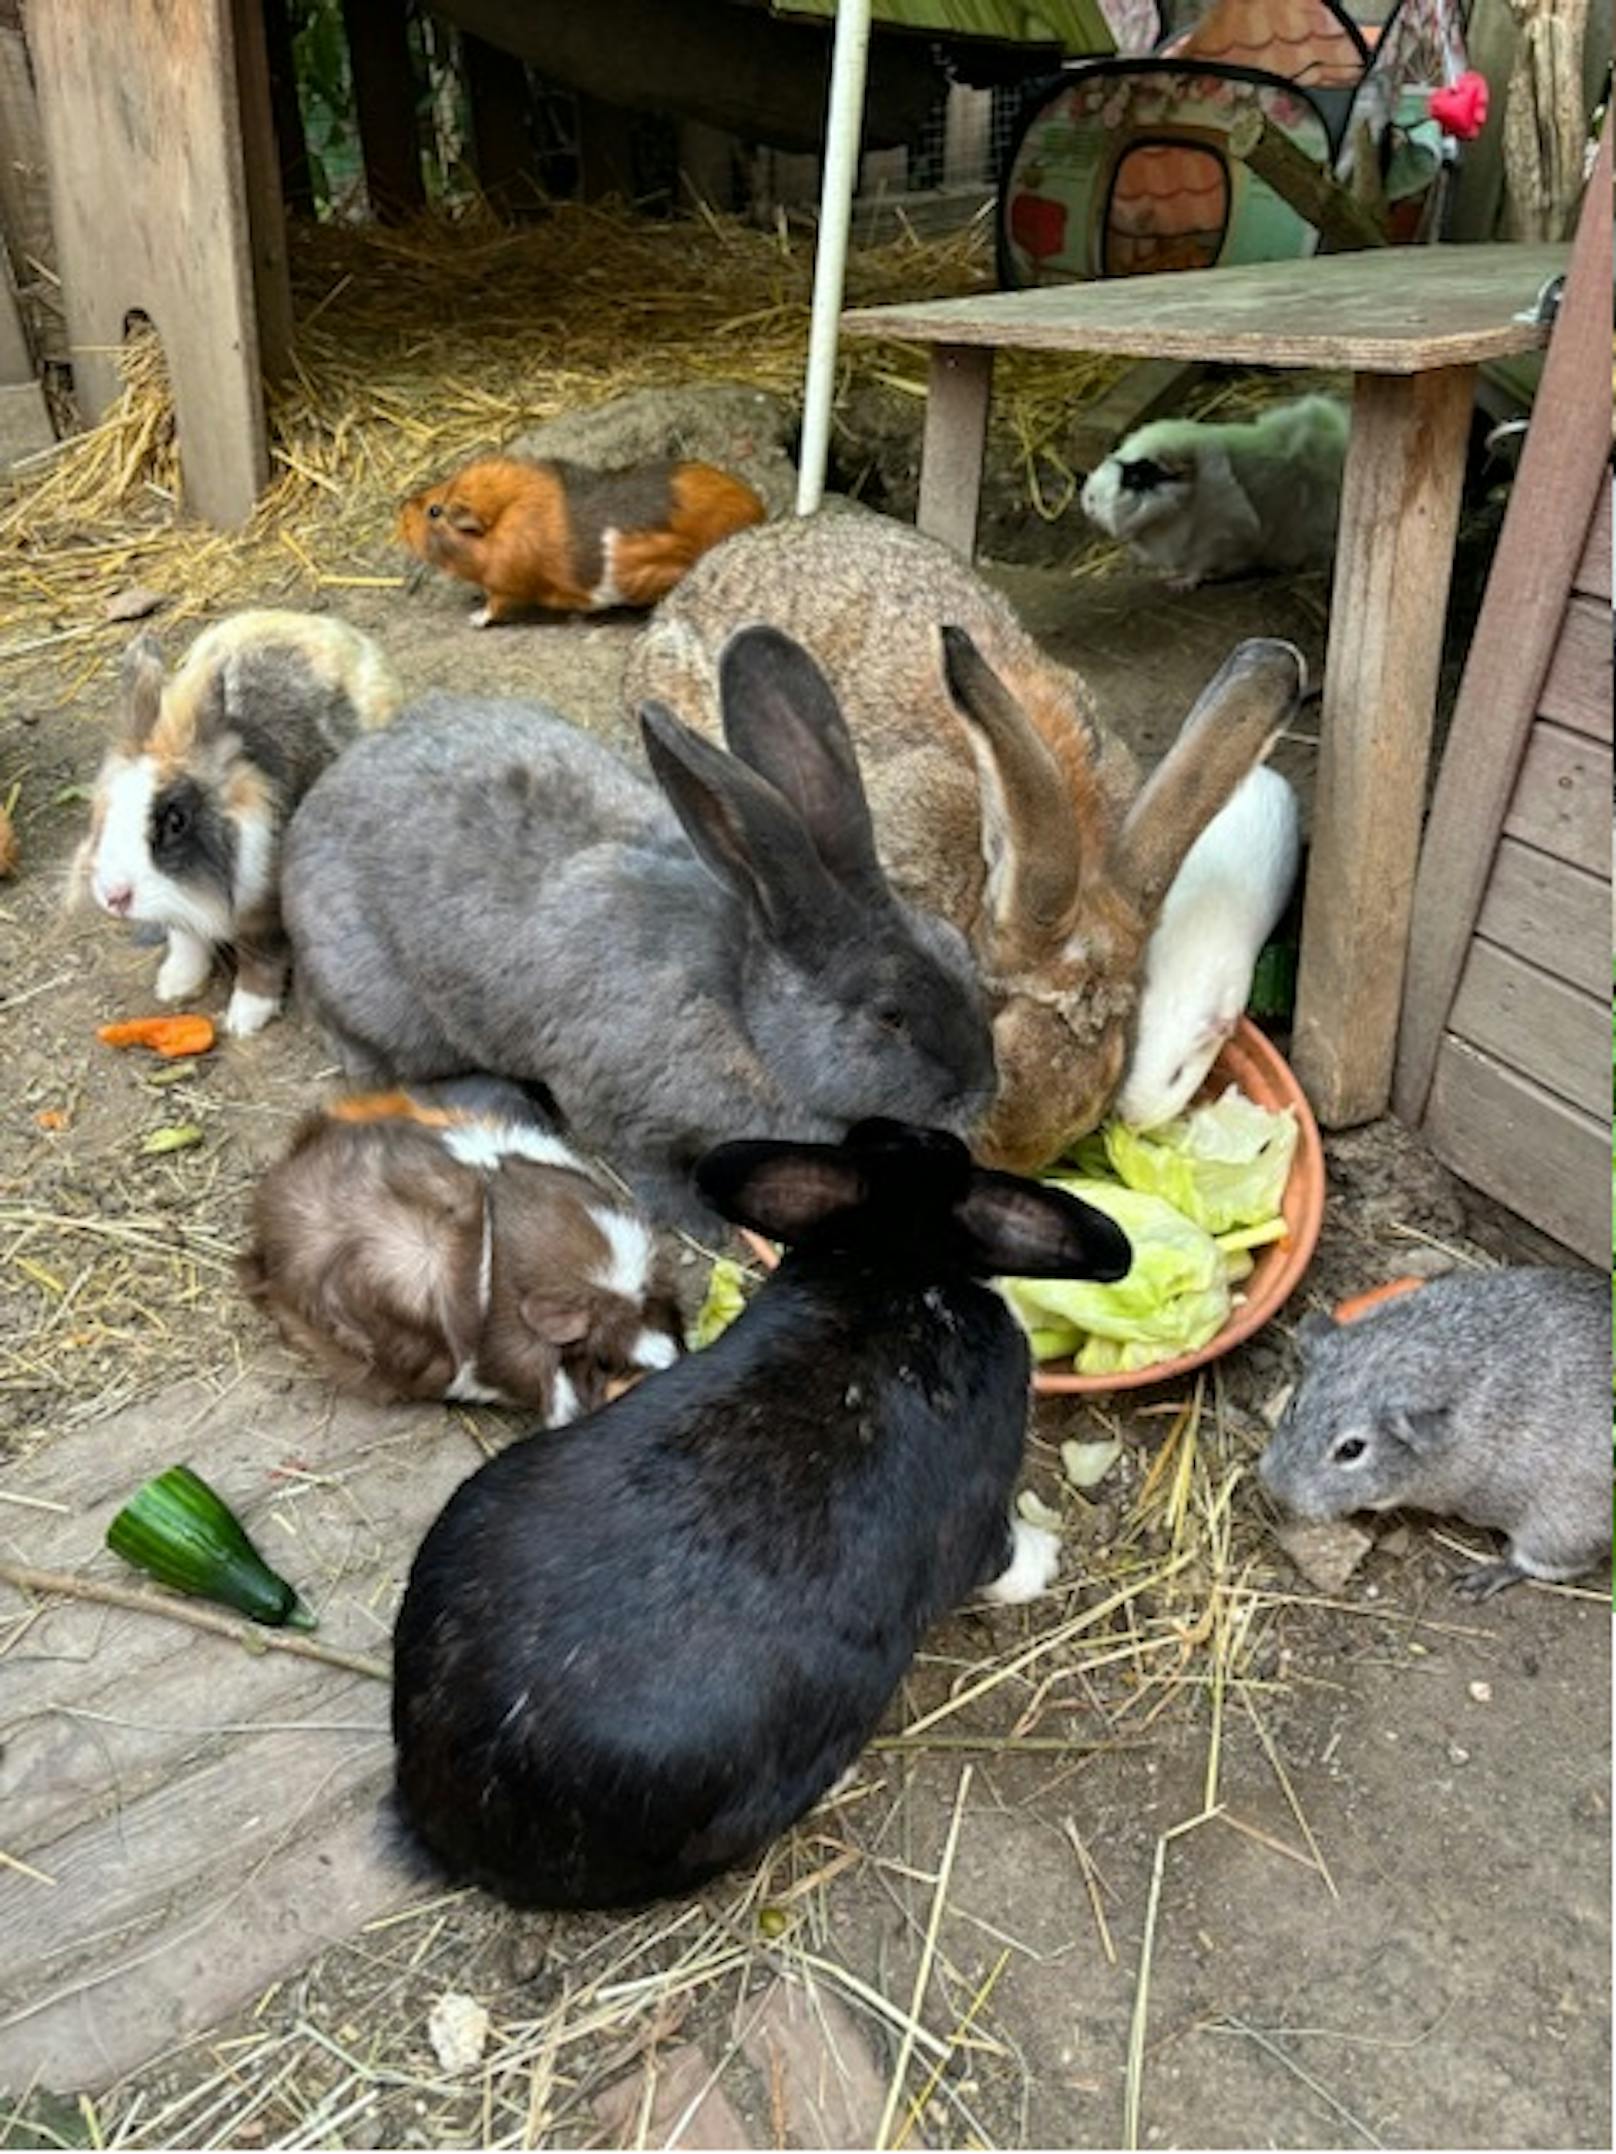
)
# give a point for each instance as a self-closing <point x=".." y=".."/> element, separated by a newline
<point x="1394" y="560"/>
<point x="957" y="398"/>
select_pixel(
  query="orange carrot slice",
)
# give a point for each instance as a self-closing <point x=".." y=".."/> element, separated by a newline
<point x="388" y="1107"/>
<point x="1356" y="1305"/>
<point x="168" y="1036"/>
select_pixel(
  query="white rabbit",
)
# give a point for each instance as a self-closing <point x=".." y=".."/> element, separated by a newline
<point x="1222" y="907"/>
<point x="1200" y="501"/>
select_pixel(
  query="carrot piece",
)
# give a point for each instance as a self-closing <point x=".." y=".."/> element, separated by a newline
<point x="168" y="1036"/>
<point x="1356" y="1305"/>
<point x="388" y="1107"/>
<point x="52" y="1118"/>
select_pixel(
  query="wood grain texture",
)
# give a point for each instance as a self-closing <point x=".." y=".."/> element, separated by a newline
<point x="1529" y="1150"/>
<point x="1555" y="916"/>
<point x="1577" y="692"/>
<point x="266" y="208"/>
<point x="1394" y="558"/>
<point x="1593" y="570"/>
<point x="1562" y="477"/>
<point x="1397" y="310"/>
<point x="958" y="395"/>
<point x="138" y="105"/>
<point x="1557" y="1035"/>
<point x="1561" y="802"/>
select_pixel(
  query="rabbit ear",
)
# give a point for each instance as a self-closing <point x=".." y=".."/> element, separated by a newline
<point x="781" y="717"/>
<point x="744" y="832"/>
<point x="141" y="687"/>
<point x="1236" y="720"/>
<point x="780" y="1190"/>
<point x="1021" y="1229"/>
<point x="1030" y="838"/>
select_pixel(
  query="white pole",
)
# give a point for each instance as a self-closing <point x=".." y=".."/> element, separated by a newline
<point x="844" y="130"/>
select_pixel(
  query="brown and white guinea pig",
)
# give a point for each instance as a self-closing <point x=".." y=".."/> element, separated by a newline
<point x="445" y="1244"/>
<point x="189" y="806"/>
<point x="569" y="539"/>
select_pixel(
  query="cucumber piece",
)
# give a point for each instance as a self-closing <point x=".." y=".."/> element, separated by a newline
<point x="184" y="1535"/>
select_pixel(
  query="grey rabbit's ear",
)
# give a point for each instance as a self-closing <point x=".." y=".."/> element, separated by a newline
<point x="141" y="688"/>
<point x="1312" y="1331"/>
<point x="743" y="830"/>
<point x="1020" y="1229"/>
<point x="1030" y="837"/>
<point x="1423" y="1429"/>
<point x="781" y="717"/>
<point x="781" y="1190"/>
<point x="1236" y="719"/>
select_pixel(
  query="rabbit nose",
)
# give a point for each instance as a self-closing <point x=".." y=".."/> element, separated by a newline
<point x="119" y="899"/>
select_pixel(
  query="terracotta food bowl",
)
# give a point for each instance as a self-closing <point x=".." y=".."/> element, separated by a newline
<point x="1253" y="1063"/>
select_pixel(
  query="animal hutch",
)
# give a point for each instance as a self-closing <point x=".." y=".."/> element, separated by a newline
<point x="1504" y="1049"/>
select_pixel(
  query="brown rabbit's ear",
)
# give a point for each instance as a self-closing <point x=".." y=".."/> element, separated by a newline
<point x="1239" y="715"/>
<point x="1030" y="837"/>
<point x="141" y="688"/>
<point x="559" y="1319"/>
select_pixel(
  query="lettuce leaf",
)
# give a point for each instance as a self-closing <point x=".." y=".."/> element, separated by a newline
<point x="1223" y="1165"/>
<point x="1174" y="1297"/>
<point x="725" y="1299"/>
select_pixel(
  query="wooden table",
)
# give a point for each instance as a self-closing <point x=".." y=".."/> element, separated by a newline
<point x="1411" y="325"/>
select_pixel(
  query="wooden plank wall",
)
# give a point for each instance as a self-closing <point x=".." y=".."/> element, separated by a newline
<point x="1520" y="1102"/>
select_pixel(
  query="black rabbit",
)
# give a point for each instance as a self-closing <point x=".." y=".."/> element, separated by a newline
<point x="633" y="1652"/>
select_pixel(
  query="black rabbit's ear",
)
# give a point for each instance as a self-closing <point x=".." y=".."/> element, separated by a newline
<point x="780" y="1190"/>
<point x="1019" y="1229"/>
<point x="781" y="717"/>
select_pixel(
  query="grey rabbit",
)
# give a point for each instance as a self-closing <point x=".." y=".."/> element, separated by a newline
<point x="1484" y="1396"/>
<point x="484" y="886"/>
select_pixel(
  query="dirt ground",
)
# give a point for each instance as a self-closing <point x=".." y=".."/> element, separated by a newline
<point x="1395" y="1931"/>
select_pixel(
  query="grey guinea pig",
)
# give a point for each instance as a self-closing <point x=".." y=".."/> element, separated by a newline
<point x="1484" y="1396"/>
<point x="485" y="886"/>
<point x="188" y="810"/>
<point x="1200" y="501"/>
<point x="445" y="1244"/>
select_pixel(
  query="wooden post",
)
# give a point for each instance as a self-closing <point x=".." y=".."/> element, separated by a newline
<point x="605" y="150"/>
<point x="291" y="142"/>
<point x="1394" y="560"/>
<point x="959" y="392"/>
<point x="148" y="194"/>
<point x="384" y="100"/>
<point x="502" y="154"/>
<point x="266" y="207"/>
<point x="1310" y="190"/>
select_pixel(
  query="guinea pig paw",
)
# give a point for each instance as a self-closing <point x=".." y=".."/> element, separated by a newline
<point x="1034" y="1562"/>
<point x="480" y="617"/>
<point x="184" y="971"/>
<point x="247" y="1013"/>
<point x="1487" y="1579"/>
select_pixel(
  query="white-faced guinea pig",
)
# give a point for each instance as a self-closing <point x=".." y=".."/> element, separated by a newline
<point x="1201" y="501"/>
<point x="444" y="1244"/>
<point x="189" y="806"/>
<point x="564" y="538"/>
<point x="1221" y="907"/>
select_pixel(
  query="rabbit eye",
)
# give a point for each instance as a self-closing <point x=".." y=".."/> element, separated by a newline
<point x="891" y="1019"/>
<point x="1349" y="1450"/>
<point x="435" y="510"/>
<point x="173" y="821"/>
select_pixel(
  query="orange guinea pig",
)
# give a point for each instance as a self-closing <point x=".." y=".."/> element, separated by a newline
<point x="563" y="537"/>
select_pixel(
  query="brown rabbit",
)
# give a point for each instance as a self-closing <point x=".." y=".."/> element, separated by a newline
<point x="998" y="799"/>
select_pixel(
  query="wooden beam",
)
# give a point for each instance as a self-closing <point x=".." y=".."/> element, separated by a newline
<point x="1394" y="559"/>
<point x="958" y="395"/>
<point x="1560" y="486"/>
<point x="384" y="102"/>
<point x="605" y="150"/>
<point x="1335" y="213"/>
<point x="261" y="173"/>
<point x="500" y="102"/>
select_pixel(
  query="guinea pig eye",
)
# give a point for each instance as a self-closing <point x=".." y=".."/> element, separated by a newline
<point x="1349" y="1450"/>
<point x="891" y="1019"/>
<point x="435" y="510"/>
